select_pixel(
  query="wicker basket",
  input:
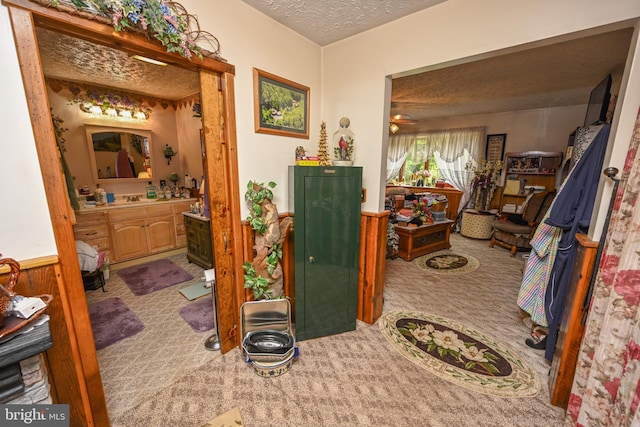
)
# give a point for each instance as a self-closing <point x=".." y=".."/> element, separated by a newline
<point x="5" y="299"/>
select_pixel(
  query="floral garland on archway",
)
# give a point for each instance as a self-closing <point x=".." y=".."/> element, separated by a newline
<point x="167" y="21"/>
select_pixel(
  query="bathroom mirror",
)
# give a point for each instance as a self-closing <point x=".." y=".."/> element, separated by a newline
<point x="118" y="153"/>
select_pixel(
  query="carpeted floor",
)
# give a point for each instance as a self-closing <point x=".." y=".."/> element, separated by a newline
<point x="167" y="349"/>
<point x="355" y="378"/>
<point x="112" y="321"/>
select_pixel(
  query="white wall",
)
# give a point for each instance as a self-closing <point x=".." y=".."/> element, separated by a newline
<point x="355" y="70"/>
<point x="542" y="129"/>
<point x="25" y="226"/>
<point x="250" y="39"/>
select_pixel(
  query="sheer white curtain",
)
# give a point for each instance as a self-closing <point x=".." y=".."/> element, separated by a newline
<point x="454" y="149"/>
<point x="457" y="174"/>
<point x="399" y="146"/>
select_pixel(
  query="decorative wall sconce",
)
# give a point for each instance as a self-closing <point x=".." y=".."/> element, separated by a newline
<point x="112" y="105"/>
<point x="169" y="153"/>
<point x="116" y="111"/>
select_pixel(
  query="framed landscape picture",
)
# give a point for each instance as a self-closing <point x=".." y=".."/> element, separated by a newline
<point x="281" y="107"/>
<point x="495" y="147"/>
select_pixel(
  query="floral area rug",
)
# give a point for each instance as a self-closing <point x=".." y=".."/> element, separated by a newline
<point x="447" y="262"/>
<point x="459" y="354"/>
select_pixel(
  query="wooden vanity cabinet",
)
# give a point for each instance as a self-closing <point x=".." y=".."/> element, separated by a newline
<point x="126" y="233"/>
<point x="178" y="219"/>
<point x="137" y="232"/>
<point x="93" y="229"/>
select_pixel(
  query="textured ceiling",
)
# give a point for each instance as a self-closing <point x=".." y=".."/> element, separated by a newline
<point x="559" y="74"/>
<point x="328" y="21"/>
<point x="556" y="75"/>
<point x="72" y="59"/>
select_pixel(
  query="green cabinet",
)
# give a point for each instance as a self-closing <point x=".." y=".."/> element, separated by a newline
<point x="326" y="203"/>
<point x="198" y="232"/>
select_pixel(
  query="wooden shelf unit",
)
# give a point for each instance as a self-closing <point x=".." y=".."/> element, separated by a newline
<point x="530" y="168"/>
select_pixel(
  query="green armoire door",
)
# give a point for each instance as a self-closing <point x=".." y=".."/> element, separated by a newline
<point x="327" y="234"/>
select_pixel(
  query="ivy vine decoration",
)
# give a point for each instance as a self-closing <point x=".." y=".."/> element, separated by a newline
<point x="264" y="274"/>
<point x="167" y="21"/>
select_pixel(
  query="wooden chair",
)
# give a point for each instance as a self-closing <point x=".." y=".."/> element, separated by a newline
<point x="514" y="232"/>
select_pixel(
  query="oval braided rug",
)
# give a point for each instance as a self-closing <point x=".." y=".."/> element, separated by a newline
<point x="459" y="354"/>
<point x="447" y="262"/>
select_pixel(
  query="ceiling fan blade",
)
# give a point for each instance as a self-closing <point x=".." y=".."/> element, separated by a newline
<point x="403" y="119"/>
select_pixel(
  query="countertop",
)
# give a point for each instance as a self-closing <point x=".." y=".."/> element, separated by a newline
<point x="125" y="205"/>
<point x="196" y="216"/>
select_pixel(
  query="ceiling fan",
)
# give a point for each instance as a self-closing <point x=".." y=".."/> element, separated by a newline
<point x="400" y="119"/>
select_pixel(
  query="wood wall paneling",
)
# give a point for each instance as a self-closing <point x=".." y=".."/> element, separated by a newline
<point x="44" y="279"/>
<point x="373" y="250"/>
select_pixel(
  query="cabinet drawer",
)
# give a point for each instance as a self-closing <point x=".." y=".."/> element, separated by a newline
<point x="102" y="244"/>
<point x="91" y="233"/>
<point x="429" y="239"/>
<point x="93" y="218"/>
<point x="196" y="224"/>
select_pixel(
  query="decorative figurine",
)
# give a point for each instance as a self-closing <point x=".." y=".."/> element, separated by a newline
<point x="343" y="144"/>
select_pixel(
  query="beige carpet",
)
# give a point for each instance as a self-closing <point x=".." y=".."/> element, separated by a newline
<point x="166" y="349"/>
<point x="357" y="378"/>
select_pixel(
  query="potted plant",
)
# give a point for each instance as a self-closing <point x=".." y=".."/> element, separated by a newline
<point x="483" y="184"/>
<point x="263" y="275"/>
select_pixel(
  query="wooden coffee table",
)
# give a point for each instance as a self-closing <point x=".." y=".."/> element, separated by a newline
<point x="427" y="238"/>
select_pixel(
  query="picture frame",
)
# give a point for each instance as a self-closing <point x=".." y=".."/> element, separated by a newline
<point x="495" y="147"/>
<point x="281" y="106"/>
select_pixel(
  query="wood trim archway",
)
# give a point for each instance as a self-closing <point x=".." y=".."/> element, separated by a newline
<point x="78" y="383"/>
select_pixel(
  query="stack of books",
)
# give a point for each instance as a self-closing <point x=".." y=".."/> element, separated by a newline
<point x="509" y="208"/>
<point x="308" y="161"/>
<point x="11" y="384"/>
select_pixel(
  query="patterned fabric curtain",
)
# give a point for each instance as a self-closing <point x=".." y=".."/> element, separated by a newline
<point x="606" y="386"/>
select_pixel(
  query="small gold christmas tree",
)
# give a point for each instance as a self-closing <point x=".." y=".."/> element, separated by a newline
<point x="323" y="147"/>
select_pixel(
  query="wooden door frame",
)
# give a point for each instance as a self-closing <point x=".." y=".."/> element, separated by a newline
<point x="218" y="116"/>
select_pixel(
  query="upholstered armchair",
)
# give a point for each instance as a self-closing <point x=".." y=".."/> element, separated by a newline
<point x="514" y="232"/>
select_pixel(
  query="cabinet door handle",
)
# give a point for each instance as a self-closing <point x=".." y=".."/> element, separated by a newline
<point x="312" y="259"/>
<point x="224" y="239"/>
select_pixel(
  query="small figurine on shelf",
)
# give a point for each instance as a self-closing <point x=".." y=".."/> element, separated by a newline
<point x="300" y="153"/>
<point x="303" y="160"/>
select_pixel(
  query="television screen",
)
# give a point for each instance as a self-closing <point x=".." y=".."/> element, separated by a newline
<point x="598" y="103"/>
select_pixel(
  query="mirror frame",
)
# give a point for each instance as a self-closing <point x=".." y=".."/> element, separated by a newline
<point x="91" y="129"/>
